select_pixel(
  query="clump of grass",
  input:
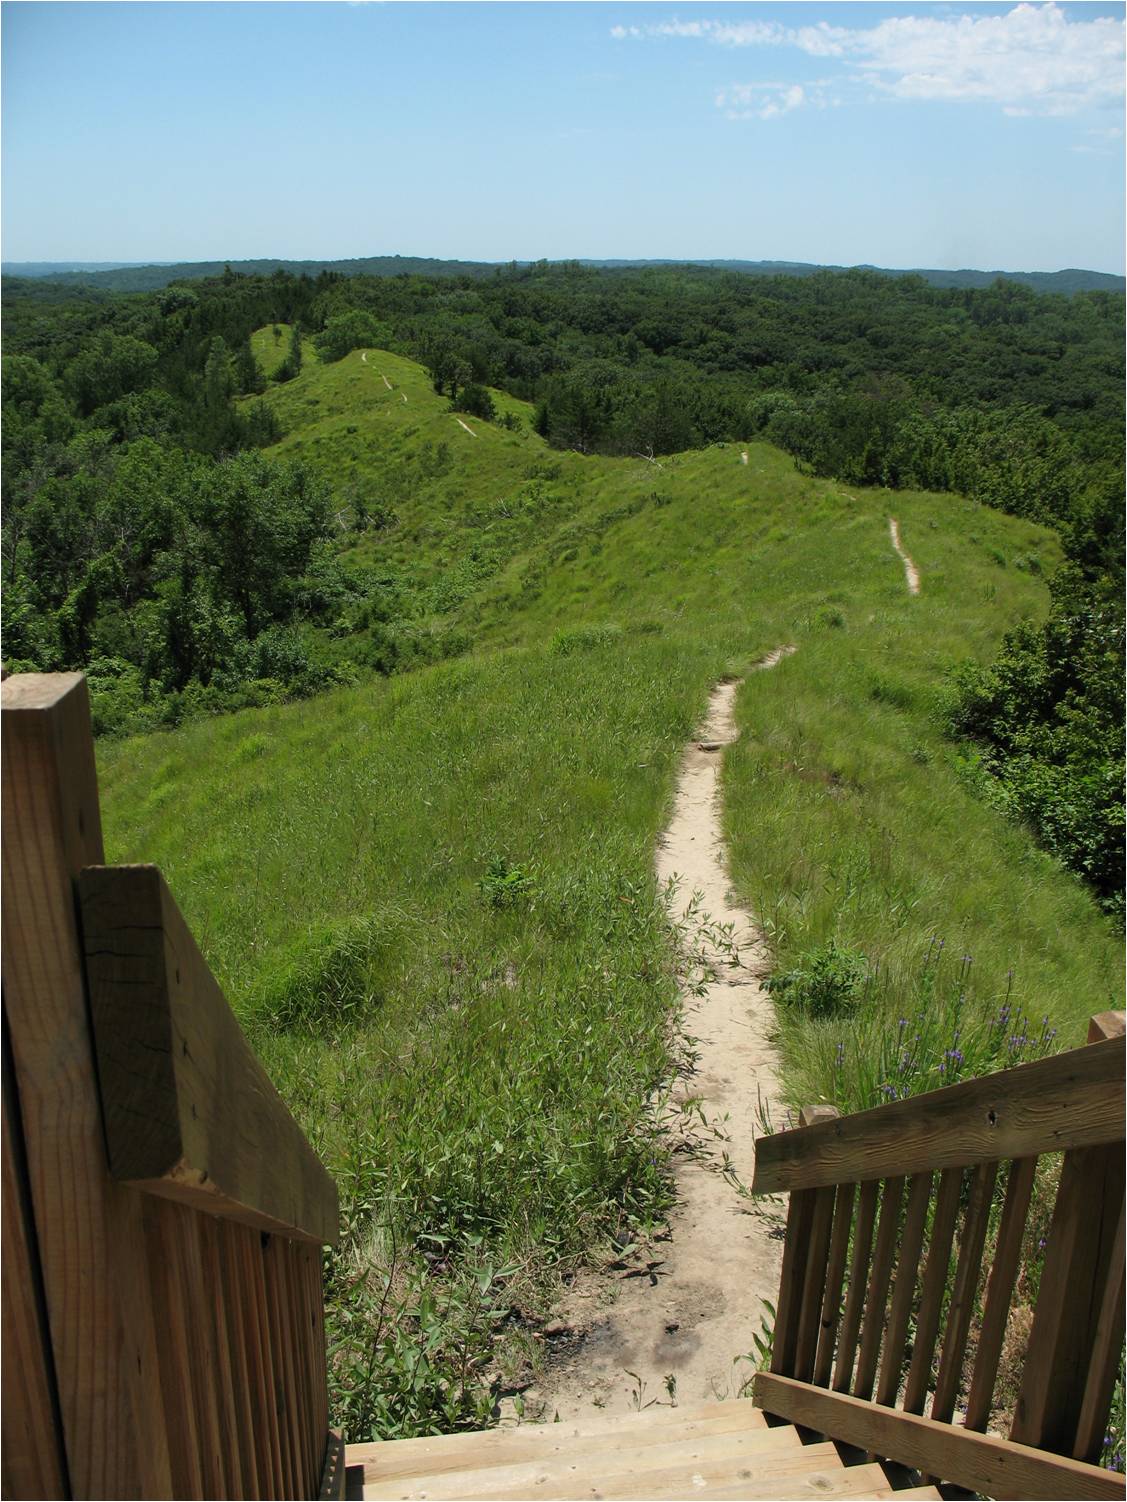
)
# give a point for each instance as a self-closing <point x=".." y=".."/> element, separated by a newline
<point x="908" y="1034"/>
<point x="326" y="980"/>
<point x="583" y="639"/>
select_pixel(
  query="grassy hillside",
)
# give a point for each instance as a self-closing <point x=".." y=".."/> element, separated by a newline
<point x="430" y="896"/>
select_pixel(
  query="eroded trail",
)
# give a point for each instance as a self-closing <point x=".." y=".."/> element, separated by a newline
<point x="689" y="1315"/>
<point x="911" y="572"/>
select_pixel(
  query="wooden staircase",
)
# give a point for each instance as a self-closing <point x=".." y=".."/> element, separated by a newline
<point x="716" y="1449"/>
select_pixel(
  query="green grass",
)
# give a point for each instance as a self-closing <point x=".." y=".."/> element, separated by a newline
<point x="431" y="899"/>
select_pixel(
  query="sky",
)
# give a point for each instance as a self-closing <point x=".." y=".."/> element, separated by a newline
<point x="939" y="135"/>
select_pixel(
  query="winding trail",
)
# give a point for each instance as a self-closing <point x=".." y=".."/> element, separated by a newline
<point x="911" y="572"/>
<point x="468" y="429"/>
<point x="690" y="1306"/>
<point x="364" y="357"/>
<point x="386" y="382"/>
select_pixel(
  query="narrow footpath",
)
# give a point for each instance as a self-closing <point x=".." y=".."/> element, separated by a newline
<point x="672" y="1323"/>
<point x="911" y="572"/>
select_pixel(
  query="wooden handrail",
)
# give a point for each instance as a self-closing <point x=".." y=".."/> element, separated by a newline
<point x="1072" y="1100"/>
<point x="983" y="1462"/>
<point x="189" y="1112"/>
<point x="866" y="1183"/>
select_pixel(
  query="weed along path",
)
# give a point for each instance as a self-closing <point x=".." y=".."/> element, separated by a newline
<point x="671" y="1321"/>
<point x="911" y="572"/>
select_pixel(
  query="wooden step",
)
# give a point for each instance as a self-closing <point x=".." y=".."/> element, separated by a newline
<point x="437" y="1454"/>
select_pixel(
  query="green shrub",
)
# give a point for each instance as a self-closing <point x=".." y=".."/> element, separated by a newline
<point x="825" y="983"/>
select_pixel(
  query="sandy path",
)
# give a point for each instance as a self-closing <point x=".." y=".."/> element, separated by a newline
<point x="743" y="456"/>
<point x="690" y="1305"/>
<point x="911" y="572"/>
<point x="363" y="357"/>
<point x="469" y="430"/>
<point x="386" y="382"/>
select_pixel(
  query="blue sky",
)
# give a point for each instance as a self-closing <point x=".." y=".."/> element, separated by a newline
<point x="945" y="135"/>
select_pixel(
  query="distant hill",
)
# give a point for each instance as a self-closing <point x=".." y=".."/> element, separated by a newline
<point x="133" y="277"/>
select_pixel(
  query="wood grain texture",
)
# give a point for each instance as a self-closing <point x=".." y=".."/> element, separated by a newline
<point x="1107" y="1025"/>
<point x="876" y="1295"/>
<point x="999" y="1291"/>
<point x="961" y="1308"/>
<point x="1075" y="1099"/>
<point x="907" y="1268"/>
<point x="1073" y="1279"/>
<point x="1105" y="1361"/>
<point x="858" y="1278"/>
<point x="190" y="1113"/>
<point x="33" y="1458"/>
<point x="789" y="1307"/>
<point x="835" y="1279"/>
<point x="934" y="1286"/>
<point x="984" y="1463"/>
<point x="89" y="1229"/>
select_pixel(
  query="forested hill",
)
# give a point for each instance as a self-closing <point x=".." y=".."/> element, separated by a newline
<point x="141" y="278"/>
<point x="146" y="541"/>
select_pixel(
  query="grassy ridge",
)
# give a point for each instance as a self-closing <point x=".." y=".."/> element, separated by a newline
<point x="431" y="897"/>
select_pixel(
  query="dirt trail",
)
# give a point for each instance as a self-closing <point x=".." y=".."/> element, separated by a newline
<point x="386" y="382"/>
<point x="363" y="357"/>
<point x="468" y="429"/>
<point x="911" y="572"/>
<point x="691" y="1305"/>
<point x="743" y="456"/>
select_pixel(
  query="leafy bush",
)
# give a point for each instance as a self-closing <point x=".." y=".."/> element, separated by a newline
<point x="505" y="884"/>
<point x="474" y="400"/>
<point x="825" y="983"/>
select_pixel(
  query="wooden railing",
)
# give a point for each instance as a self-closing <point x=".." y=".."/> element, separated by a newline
<point x="878" y="1202"/>
<point x="163" y="1214"/>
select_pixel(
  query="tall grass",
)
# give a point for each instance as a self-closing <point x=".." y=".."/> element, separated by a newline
<point x="431" y="897"/>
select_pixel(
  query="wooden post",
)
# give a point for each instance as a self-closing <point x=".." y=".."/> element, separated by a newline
<point x="796" y="1255"/>
<point x="1061" y="1405"/>
<point x="89" y="1230"/>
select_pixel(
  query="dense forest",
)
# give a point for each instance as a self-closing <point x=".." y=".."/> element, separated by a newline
<point x="147" y="540"/>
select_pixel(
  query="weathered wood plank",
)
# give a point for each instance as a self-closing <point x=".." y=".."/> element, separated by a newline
<point x="659" y="1469"/>
<point x="1107" y="1025"/>
<point x="934" y="1286"/>
<point x="858" y="1279"/>
<point x="999" y="1291"/>
<point x="333" y="1469"/>
<point x="983" y="1462"/>
<point x="434" y="1453"/>
<point x="876" y="1296"/>
<point x="89" y="1229"/>
<point x="961" y="1307"/>
<point x="1073" y="1279"/>
<point x="33" y="1458"/>
<point x="835" y="1278"/>
<point x="907" y="1267"/>
<point x="788" y="1311"/>
<point x="190" y="1113"/>
<point x="1104" y="1362"/>
<point x="1075" y="1099"/>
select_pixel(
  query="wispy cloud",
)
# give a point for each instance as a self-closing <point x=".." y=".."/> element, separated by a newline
<point x="767" y="101"/>
<point x="1033" y="60"/>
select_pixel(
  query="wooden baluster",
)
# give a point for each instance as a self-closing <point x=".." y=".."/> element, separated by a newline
<point x="231" y="1435"/>
<point x="855" y="1298"/>
<point x="835" y="1277"/>
<point x="934" y="1287"/>
<point x="271" y="1467"/>
<point x="283" y="1385"/>
<point x="1073" y="1281"/>
<point x="1103" y="1364"/>
<point x="907" y="1267"/>
<point x="243" y="1379"/>
<point x="999" y="1291"/>
<point x="817" y="1250"/>
<point x="961" y="1307"/>
<point x="876" y="1298"/>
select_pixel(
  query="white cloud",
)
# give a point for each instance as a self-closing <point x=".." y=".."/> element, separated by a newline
<point x="767" y="101"/>
<point x="1033" y="60"/>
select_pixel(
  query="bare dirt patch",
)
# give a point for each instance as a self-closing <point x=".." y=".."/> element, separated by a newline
<point x="673" y="1319"/>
